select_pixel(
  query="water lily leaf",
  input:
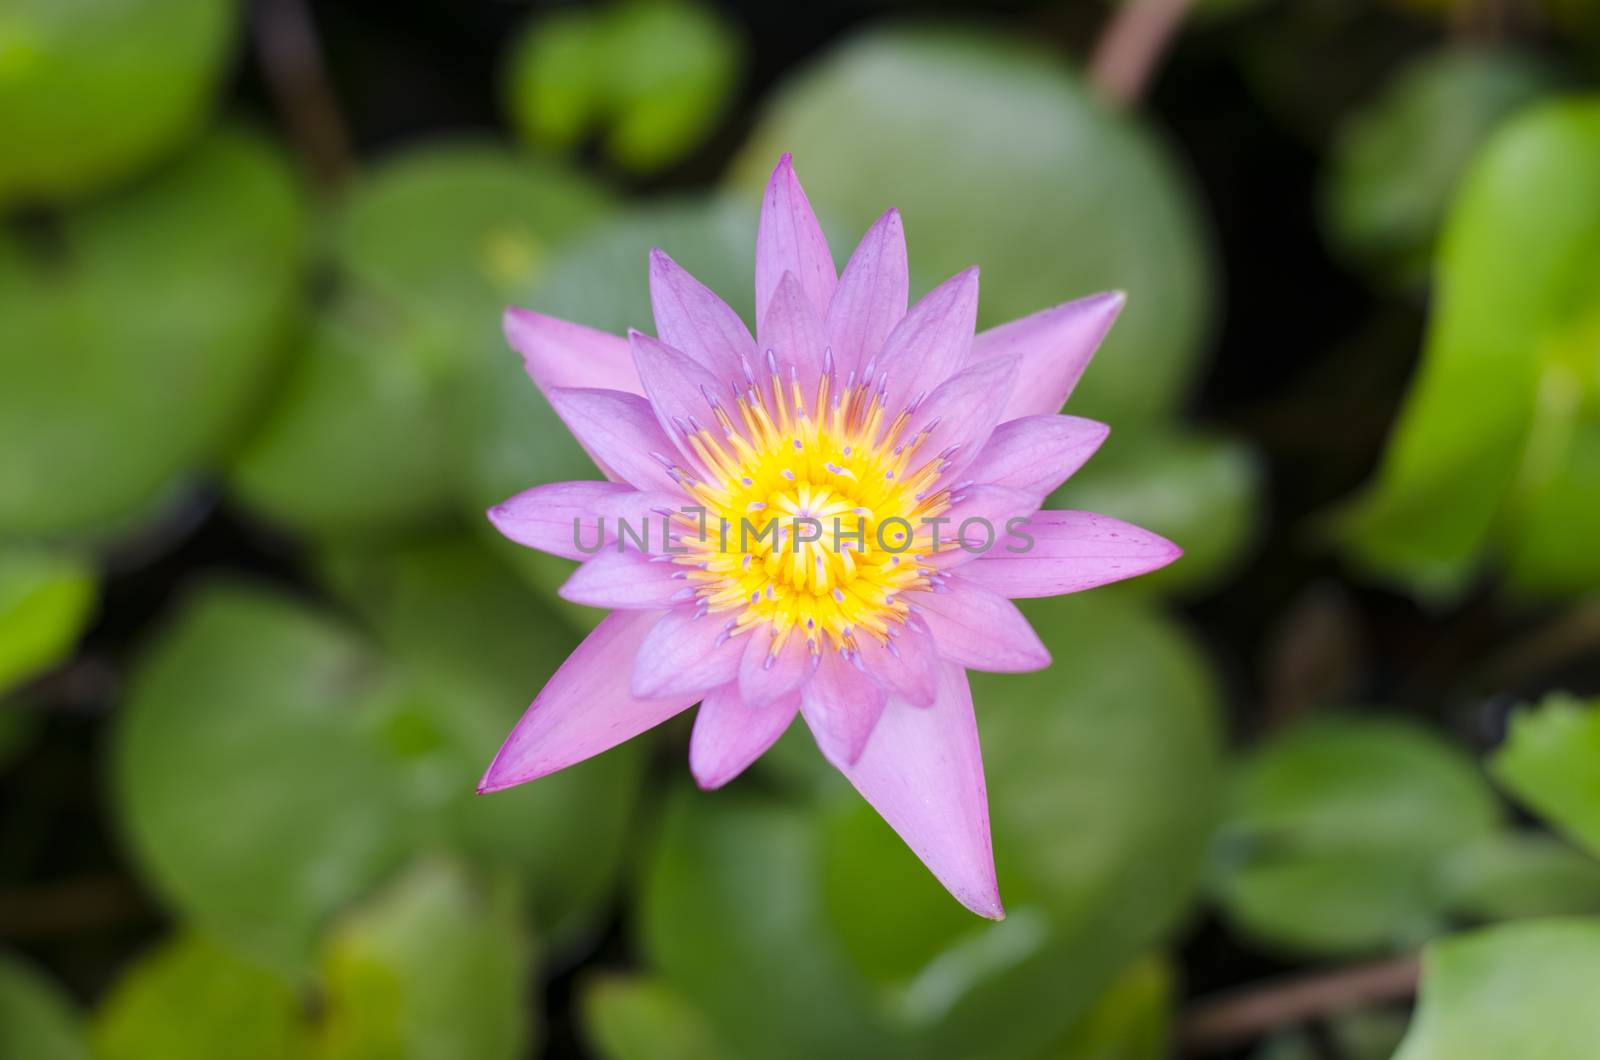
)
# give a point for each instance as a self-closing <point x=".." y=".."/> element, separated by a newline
<point x="333" y="757"/>
<point x="171" y="295"/>
<point x="37" y="1020"/>
<point x="732" y="916"/>
<point x="1101" y="777"/>
<point x="474" y="646"/>
<point x="190" y="999"/>
<point x="998" y="156"/>
<point x="46" y="599"/>
<point x="1514" y="345"/>
<point x="1548" y="764"/>
<point x="638" y="1018"/>
<point x="1337" y="831"/>
<point x="1202" y="491"/>
<point x="1520" y="874"/>
<point x="355" y="445"/>
<point x="250" y="787"/>
<point x="452" y="231"/>
<point x="1399" y="158"/>
<point x="655" y="75"/>
<point x="428" y="970"/>
<point x="389" y="410"/>
<point x="1553" y="518"/>
<point x="1129" y="1021"/>
<point x="91" y="93"/>
<point x="1524" y="989"/>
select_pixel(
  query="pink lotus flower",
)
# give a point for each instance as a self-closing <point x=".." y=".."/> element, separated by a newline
<point x="838" y="514"/>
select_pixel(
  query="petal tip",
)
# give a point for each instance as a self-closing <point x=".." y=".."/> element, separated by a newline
<point x="985" y="901"/>
<point x="661" y="262"/>
<point x="492" y="780"/>
<point x="514" y="321"/>
<point x="707" y="779"/>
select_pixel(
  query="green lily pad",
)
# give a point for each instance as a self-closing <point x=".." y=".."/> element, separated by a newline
<point x="1337" y="832"/>
<point x="354" y="445"/>
<point x="1548" y="764"/>
<point x="452" y="231"/>
<point x="1552" y="518"/>
<point x="429" y="970"/>
<point x="134" y="349"/>
<point x="272" y="764"/>
<point x="252" y="786"/>
<point x="638" y="1018"/>
<point x="190" y="999"/>
<point x="1130" y="1021"/>
<point x="46" y="599"/>
<point x="1524" y="989"/>
<point x="1520" y="874"/>
<point x="654" y="75"/>
<point x="391" y="408"/>
<point x="91" y="93"/>
<point x="998" y="155"/>
<point x="473" y="646"/>
<point x="37" y="1020"/>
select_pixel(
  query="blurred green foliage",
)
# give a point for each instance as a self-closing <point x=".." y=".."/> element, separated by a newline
<point x="379" y="429"/>
<point x="139" y="341"/>
<point x="45" y="600"/>
<point x="190" y="999"/>
<point x="1548" y="761"/>
<point x="93" y="91"/>
<point x="37" y="1020"/>
<point x="1336" y="833"/>
<point x="377" y="746"/>
<point x="1400" y="157"/>
<point x="1508" y="397"/>
<point x="637" y="1018"/>
<point x="426" y="969"/>
<point x="1515" y="990"/>
<point x="1509" y="875"/>
<point x="652" y="76"/>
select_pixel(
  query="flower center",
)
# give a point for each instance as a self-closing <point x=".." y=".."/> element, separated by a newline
<point x="813" y="510"/>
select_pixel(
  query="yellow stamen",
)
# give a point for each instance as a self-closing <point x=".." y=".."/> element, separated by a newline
<point x="819" y="510"/>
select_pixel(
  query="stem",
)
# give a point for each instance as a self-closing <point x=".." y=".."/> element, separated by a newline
<point x="1131" y="45"/>
<point x="1218" y="1024"/>
<point x="291" y="58"/>
<point x="1564" y="637"/>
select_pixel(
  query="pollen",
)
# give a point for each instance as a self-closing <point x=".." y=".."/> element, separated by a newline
<point x="814" y="507"/>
